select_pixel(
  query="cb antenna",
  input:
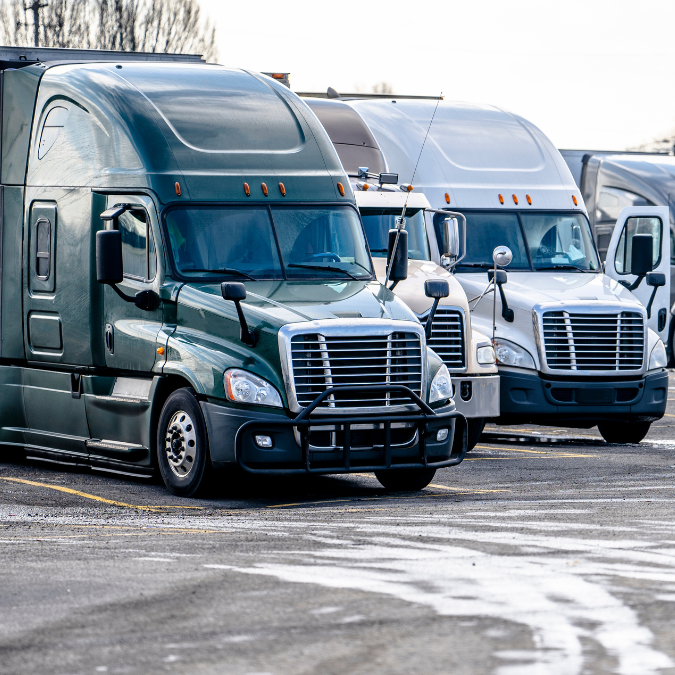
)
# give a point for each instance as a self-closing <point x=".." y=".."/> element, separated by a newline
<point x="401" y="224"/>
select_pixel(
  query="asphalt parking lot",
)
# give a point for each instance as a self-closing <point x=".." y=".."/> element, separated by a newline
<point x="546" y="551"/>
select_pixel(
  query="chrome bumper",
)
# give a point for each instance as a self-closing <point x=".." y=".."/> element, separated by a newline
<point x="482" y="392"/>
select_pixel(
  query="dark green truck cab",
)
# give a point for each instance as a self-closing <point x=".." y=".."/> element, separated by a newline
<point x="243" y="325"/>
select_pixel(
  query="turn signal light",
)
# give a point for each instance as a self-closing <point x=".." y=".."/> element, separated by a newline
<point x="282" y="189"/>
<point x="160" y="350"/>
<point x="529" y="201"/>
<point x="515" y="200"/>
<point x="447" y="198"/>
<point x="264" y="189"/>
<point x="341" y="189"/>
<point x="501" y="199"/>
<point x="574" y="199"/>
<point x="177" y="187"/>
<point x="247" y="190"/>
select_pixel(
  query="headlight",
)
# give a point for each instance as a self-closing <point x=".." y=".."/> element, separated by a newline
<point x="244" y="387"/>
<point x="658" y="358"/>
<point x="510" y="354"/>
<point x="441" y="385"/>
<point x="485" y="355"/>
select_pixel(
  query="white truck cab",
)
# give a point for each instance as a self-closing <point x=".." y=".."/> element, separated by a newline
<point x="467" y="352"/>
<point x="577" y="344"/>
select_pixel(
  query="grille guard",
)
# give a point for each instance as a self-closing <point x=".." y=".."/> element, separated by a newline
<point x="426" y="422"/>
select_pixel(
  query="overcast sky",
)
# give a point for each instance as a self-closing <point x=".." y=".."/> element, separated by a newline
<point x="590" y="73"/>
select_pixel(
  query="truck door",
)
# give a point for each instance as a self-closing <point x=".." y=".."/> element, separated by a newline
<point x="653" y="220"/>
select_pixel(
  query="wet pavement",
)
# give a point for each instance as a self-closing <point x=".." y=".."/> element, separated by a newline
<point x="546" y="551"/>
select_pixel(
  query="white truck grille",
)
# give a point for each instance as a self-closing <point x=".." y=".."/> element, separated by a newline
<point x="323" y="361"/>
<point x="575" y="341"/>
<point x="447" y="337"/>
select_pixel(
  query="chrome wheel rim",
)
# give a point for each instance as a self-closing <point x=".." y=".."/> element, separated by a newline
<point x="181" y="444"/>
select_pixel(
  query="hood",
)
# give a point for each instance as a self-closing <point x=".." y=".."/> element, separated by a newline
<point x="411" y="290"/>
<point x="523" y="290"/>
<point x="272" y="304"/>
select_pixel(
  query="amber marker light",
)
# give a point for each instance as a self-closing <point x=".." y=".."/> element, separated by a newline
<point x="447" y="198"/>
<point x="282" y="189"/>
<point x="574" y="199"/>
<point x="177" y="188"/>
<point x="264" y="189"/>
<point x="247" y="190"/>
<point x="160" y="350"/>
<point x="515" y="200"/>
<point x="529" y="199"/>
<point x="341" y="189"/>
<point x="501" y="199"/>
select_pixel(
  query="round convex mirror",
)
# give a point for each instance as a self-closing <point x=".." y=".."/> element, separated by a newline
<point x="502" y="256"/>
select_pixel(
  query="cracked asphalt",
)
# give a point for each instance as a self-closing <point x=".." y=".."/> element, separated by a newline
<point x="545" y="551"/>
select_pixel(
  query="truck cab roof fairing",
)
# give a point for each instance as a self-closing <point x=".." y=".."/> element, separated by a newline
<point x="151" y="124"/>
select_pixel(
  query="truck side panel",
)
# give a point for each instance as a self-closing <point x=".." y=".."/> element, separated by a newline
<point x="12" y="230"/>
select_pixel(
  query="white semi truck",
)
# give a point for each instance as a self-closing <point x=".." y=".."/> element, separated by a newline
<point x="467" y="352"/>
<point x="578" y="344"/>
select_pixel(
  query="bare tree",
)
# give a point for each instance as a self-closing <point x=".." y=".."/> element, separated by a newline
<point x="383" y="88"/>
<point x="171" y="26"/>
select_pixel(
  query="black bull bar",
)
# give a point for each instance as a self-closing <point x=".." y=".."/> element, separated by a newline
<point x="426" y="422"/>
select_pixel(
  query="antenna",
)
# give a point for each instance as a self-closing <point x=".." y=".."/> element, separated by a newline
<point x="401" y="224"/>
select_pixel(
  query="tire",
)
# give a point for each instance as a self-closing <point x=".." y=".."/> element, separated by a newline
<point x="182" y="445"/>
<point x="624" y="432"/>
<point x="476" y="425"/>
<point x="405" y="480"/>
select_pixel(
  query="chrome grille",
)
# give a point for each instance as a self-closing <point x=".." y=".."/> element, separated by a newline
<point x="580" y="341"/>
<point x="323" y="361"/>
<point x="447" y="337"/>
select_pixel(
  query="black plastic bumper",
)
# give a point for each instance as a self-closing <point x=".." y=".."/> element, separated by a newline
<point x="582" y="403"/>
<point x="232" y="438"/>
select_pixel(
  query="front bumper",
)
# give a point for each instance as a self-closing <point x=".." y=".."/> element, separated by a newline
<point x="477" y="396"/>
<point x="363" y="443"/>
<point x="532" y="399"/>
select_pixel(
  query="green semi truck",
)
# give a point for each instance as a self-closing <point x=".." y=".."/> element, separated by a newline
<point x="185" y="284"/>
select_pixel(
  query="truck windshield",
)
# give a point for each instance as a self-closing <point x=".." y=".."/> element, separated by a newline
<point x="539" y="241"/>
<point x="378" y="222"/>
<point x="260" y="242"/>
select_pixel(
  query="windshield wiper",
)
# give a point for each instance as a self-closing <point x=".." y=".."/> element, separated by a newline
<point x="378" y="250"/>
<point x="483" y="265"/>
<point x="326" y="268"/>
<point x="563" y="266"/>
<point x="225" y="270"/>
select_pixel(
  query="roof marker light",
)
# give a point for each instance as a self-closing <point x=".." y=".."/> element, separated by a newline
<point x="177" y="188"/>
<point x="282" y="189"/>
<point x="574" y="199"/>
<point x="501" y="199"/>
<point x="515" y="200"/>
<point x="247" y="190"/>
<point x="264" y="189"/>
<point x="406" y="187"/>
<point x="447" y="198"/>
<point x="341" y="189"/>
<point x="529" y="199"/>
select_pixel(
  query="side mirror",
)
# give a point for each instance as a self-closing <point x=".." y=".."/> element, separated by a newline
<point x="502" y="256"/>
<point x="236" y="291"/>
<point x="398" y="266"/>
<point x="451" y="237"/>
<point x="501" y="276"/>
<point x="641" y="254"/>
<point x="656" y="279"/>
<point x="436" y="289"/>
<point x="109" y="257"/>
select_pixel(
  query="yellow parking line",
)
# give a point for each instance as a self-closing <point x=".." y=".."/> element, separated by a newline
<point x="86" y="495"/>
<point x="445" y="487"/>
<point x="536" y="452"/>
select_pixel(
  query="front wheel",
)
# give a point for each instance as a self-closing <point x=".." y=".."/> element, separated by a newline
<point x="624" y="432"/>
<point x="405" y="480"/>
<point x="182" y="444"/>
<point x="475" y="425"/>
